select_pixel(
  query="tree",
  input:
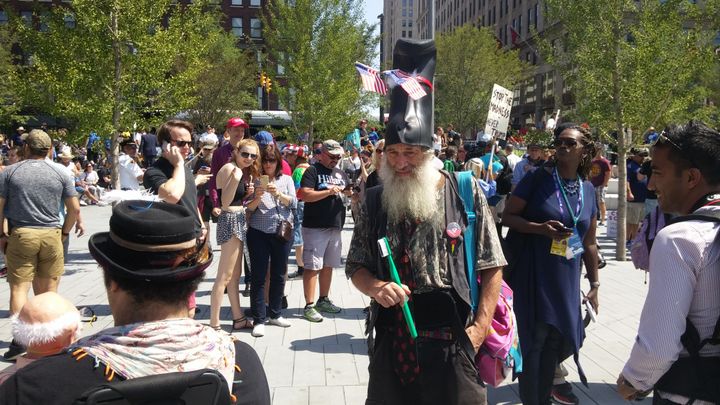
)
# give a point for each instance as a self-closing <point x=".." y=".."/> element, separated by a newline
<point x="315" y="44"/>
<point x="636" y="65"/>
<point x="469" y="63"/>
<point x="9" y="101"/>
<point x="108" y="65"/>
<point x="226" y="86"/>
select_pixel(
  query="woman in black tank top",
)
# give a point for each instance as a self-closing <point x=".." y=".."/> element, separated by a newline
<point x="235" y="186"/>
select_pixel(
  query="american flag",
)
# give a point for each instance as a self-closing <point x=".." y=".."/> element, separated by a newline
<point x="371" y="80"/>
<point x="408" y="83"/>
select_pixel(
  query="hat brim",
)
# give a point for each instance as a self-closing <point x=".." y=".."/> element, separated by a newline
<point x="336" y="152"/>
<point x="110" y="256"/>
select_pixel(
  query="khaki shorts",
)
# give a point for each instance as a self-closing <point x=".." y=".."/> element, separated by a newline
<point x="322" y="248"/>
<point x="34" y="252"/>
<point x="635" y="212"/>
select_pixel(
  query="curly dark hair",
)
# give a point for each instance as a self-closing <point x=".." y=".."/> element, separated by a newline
<point x="588" y="145"/>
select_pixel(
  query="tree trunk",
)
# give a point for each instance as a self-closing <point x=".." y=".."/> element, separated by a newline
<point x="117" y="99"/>
<point x="620" y="251"/>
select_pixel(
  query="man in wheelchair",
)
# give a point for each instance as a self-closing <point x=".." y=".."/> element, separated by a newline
<point x="152" y="263"/>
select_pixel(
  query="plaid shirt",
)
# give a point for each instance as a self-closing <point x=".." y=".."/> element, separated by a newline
<point x="269" y="212"/>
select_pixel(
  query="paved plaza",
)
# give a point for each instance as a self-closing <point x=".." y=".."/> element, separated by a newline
<point x="326" y="363"/>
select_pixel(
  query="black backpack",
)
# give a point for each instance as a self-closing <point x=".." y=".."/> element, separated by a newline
<point x="694" y="376"/>
<point x="504" y="178"/>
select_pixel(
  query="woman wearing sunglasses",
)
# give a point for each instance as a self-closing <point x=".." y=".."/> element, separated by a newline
<point x="551" y="215"/>
<point x="272" y="204"/>
<point x="235" y="187"/>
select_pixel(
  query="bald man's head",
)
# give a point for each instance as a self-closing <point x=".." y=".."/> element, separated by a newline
<point x="46" y="324"/>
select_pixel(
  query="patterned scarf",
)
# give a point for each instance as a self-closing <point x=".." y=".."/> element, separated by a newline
<point x="167" y="346"/>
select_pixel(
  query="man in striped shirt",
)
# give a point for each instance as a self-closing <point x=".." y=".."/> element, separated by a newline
<point x="685" y="274"/>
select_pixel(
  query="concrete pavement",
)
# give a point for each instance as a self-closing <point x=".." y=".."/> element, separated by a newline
<point x="326" y="363"/>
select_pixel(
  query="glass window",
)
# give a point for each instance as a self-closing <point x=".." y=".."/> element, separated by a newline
<point x="3" y="17"/>
<point x="254" y="3"/>
<point x="409" y="34"/>
<point x="255" y="28"/>
<point x="236" y="3"/>
<point x="69" y="20"/>
<point x="237" y="26"/>
<point x="27" y="17"/>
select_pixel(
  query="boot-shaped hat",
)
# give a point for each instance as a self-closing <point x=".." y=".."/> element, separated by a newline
<point x="410" y="121"/>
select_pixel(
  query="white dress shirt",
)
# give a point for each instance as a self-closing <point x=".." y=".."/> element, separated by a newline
<point x="128" y="171"/>
<point x="684" y="283"/>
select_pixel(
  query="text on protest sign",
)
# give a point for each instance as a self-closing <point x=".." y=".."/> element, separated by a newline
<point x="498" y="118"/>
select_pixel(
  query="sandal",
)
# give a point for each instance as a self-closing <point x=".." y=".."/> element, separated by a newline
<point x="218" y="327"/>
<point x="244" y="322"/>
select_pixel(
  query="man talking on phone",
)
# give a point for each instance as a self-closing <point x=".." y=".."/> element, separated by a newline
<point x="168" y="177"/>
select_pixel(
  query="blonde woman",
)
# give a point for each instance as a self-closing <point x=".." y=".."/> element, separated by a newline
<point x="235" y="186"/>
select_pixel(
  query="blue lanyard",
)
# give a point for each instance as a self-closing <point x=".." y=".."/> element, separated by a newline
<point x="580" y="204"/>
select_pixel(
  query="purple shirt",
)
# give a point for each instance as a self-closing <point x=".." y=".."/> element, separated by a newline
<point x="221" y="156"/>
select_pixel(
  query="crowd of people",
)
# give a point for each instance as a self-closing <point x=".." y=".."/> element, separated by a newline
<point x="431" y="254"/>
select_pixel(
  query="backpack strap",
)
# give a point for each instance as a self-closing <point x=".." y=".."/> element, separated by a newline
<point x="465" y="180"/>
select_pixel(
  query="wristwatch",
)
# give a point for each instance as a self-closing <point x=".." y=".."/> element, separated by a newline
<point x="594" y="284"/>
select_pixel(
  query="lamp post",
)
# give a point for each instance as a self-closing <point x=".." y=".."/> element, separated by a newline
<point x="381" y="17"/>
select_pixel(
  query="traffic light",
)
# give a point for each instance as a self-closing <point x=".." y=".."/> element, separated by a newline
<point x="268" y="84"/>
<point x="263" y="79"/>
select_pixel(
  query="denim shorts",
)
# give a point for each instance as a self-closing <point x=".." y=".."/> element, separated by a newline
<point x="297" y="226"/>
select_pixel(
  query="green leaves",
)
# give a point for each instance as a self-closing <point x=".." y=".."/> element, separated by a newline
<point x="317" y="43"/>
<point x="468" y="64"/>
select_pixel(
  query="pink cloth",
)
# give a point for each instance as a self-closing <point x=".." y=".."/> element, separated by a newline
<point x="21" y="362"/>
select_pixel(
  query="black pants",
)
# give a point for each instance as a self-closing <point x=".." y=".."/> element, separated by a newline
<point x="447" y="375"/>
<point x="549" y="349"/>
<point x="264" y="247"/>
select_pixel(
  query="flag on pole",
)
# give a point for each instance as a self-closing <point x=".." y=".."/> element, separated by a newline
<point x="407" y="82"/>
<point x="371" y="80"/>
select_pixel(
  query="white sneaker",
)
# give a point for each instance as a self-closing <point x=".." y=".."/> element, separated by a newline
<point x="279" y="321"/>
<point x="258" y="330"/>
<point x="83" y="203"/>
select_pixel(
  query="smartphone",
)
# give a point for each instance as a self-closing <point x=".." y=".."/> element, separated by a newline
<point x="166" y="146"/>
<point x="590" y="311"/>
<point x="264" y="180"/>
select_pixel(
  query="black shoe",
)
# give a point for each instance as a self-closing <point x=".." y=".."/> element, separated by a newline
<point x="246" y="291"/>
<point x="298" y="273"/>
<point x="284" y="304"/>
<point x="563" y="394"/>
<point x="14" y="351"/>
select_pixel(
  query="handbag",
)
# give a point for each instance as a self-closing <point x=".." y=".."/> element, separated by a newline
<point x="284" y="230"/>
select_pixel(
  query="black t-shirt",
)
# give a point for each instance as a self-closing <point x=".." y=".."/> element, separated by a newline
<point x="60" y="379"/>
<point x="160" y="173"/>
<point x="646" y="170"/>
<point x="330" y="211"/>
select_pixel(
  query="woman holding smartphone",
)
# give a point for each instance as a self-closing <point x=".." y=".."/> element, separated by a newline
<point x="551" y="216"/>
<point x="273" y="203"/>
<point x="235" y="186"/>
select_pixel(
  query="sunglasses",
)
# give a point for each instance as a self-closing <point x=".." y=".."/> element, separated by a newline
<point x="662" y="139"/>
<point x="182" y="144"/>
<point x="333" y="157"/>
<point x="247" y="155"/>
<point x="570" y="143"/>
<point x="268" y="161"/>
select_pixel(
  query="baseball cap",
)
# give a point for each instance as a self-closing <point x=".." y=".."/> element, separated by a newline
<point x="38" y="140"/>
<point x="332" y="147"/>
<point x="128" y="142"/>
<point x="208" y="144"/>
<point x="263" y="138"/>
<point x="21" y="128"/>
<point x="237" y="122"/>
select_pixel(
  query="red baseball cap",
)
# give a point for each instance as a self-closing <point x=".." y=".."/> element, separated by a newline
<point x="237" y="122"/>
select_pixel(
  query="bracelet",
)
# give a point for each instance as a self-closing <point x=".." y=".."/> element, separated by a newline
<point x="594" y="284"/>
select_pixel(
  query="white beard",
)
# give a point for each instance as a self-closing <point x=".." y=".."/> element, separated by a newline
<point x="412" y="197"/>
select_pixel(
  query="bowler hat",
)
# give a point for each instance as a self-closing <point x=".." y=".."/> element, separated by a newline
<point x="151" y="241"/>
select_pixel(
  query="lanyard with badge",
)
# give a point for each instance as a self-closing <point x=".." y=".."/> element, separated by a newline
<point x="572" y="246"/>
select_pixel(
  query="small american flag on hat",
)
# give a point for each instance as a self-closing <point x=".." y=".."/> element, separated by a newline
<point x="408" y="82"/>
<point x="371" y="80"/>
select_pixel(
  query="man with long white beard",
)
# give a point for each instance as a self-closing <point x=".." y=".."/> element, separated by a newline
<point x="419" y="210"/>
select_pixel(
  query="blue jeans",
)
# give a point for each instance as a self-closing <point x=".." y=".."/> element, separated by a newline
<point x="264" y="247"/>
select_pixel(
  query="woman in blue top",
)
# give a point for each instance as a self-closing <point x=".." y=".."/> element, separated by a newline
<point x="272" y="204"/>
<point x="552" y="213"/>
